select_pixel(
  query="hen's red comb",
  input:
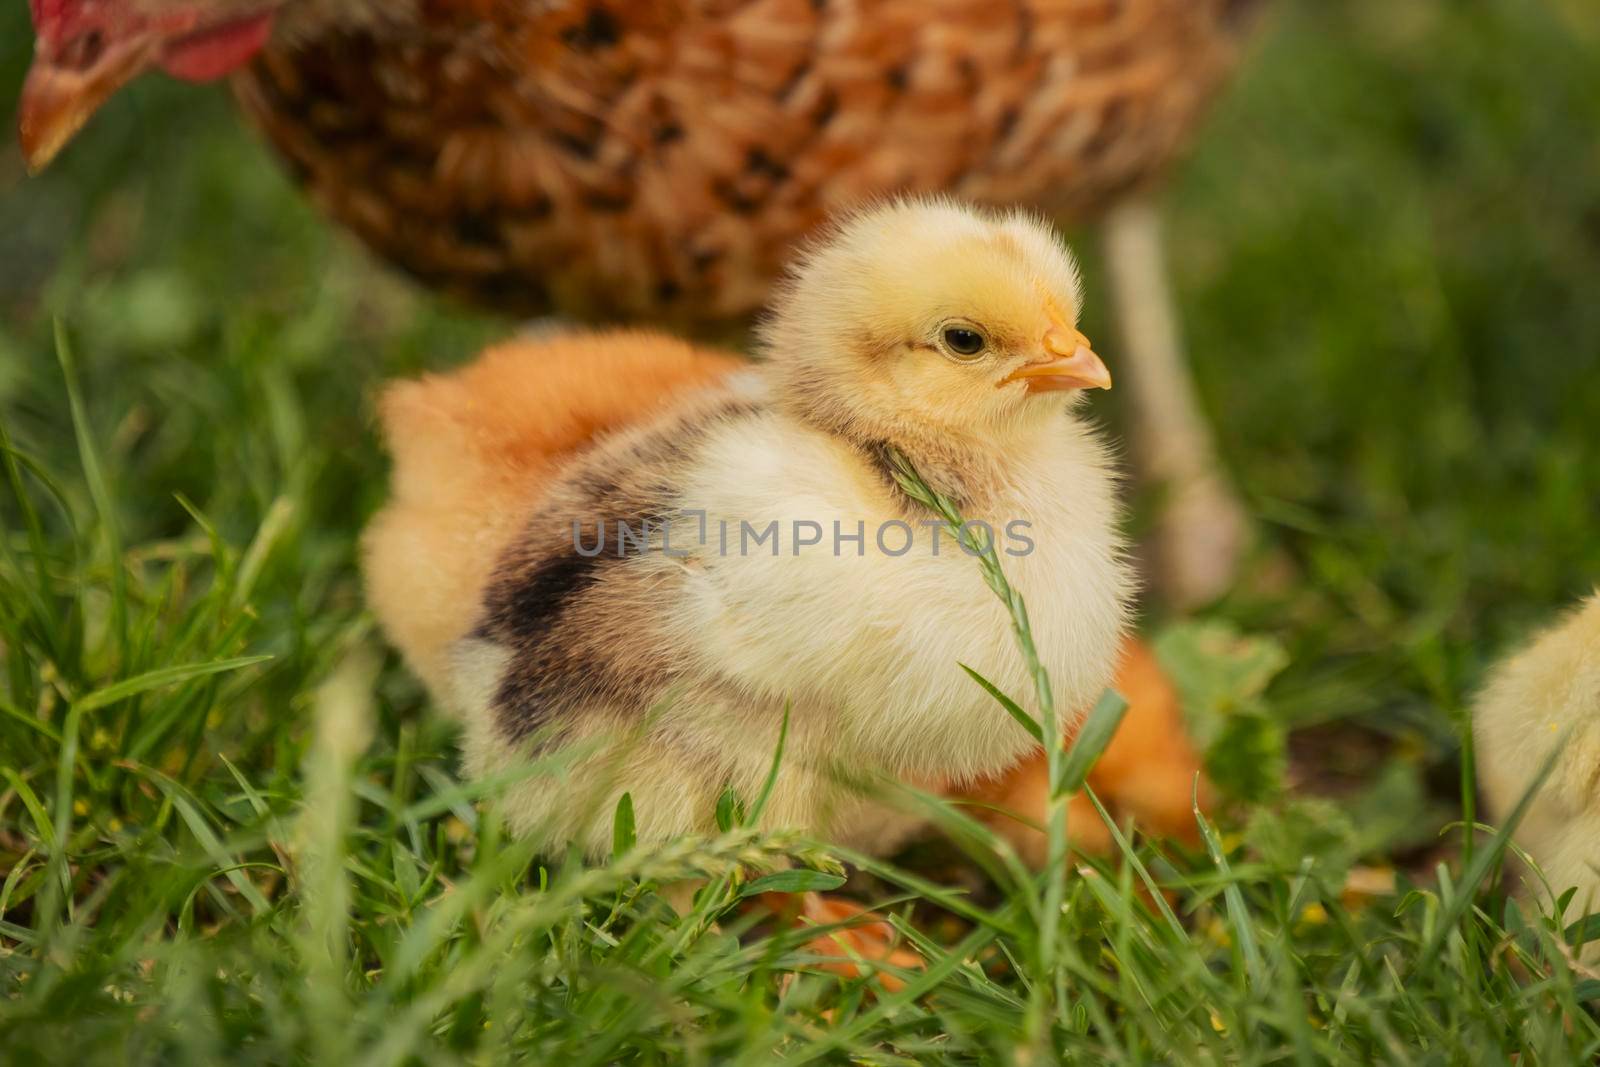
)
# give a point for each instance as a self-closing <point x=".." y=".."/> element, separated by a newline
<point x="49" y="14"/>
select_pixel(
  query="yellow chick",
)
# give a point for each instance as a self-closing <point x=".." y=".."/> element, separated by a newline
<point x="1549" y="693"/>
<point x="674" y="586"/>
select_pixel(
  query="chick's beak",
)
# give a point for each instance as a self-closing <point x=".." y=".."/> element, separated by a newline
<point x="1069" y="364"/>
<point x="57" y="99"/>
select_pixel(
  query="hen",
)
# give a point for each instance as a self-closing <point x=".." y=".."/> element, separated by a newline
<point x="656" y="161"/>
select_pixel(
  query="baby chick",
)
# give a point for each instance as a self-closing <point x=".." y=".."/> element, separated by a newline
<point x="763" y="563"/>
<point x="1549" y="693"/>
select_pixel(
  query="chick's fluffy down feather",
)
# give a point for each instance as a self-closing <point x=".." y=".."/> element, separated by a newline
<point x="472" y="451"/>
<point x="1545" y="696"/>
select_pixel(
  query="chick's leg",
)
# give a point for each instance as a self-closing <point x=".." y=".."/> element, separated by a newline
<point x="1203" y="530"/>
<point x="854" y="941"/>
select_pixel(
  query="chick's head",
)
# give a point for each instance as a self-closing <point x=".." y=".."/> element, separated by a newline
<point x="929" y="316"/>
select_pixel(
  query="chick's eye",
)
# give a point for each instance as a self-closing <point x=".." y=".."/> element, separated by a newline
<point x="962" y="341"/>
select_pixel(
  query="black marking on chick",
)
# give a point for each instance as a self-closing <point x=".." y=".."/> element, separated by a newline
<point x="533" y="610"/>
<point x="577" y="626"/>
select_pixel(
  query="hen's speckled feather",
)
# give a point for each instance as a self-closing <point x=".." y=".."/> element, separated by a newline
<point x="656" y="160"/>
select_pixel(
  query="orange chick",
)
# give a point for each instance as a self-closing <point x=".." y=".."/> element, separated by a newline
<point x="472" y="449"/>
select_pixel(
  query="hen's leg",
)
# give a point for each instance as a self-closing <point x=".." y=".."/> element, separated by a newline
<point x="1203" y="530"/>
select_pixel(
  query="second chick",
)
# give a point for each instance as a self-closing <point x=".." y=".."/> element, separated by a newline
<point x="663" y="667"/>
<point x="1548" y="695"/>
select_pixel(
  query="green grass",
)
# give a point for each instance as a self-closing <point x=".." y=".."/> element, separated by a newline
<point x="231" y="829"/>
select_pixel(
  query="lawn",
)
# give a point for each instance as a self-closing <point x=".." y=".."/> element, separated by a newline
<point x="232" y="828"/>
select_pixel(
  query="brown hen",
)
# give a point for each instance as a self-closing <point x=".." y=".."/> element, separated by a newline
<point x="658" y="161"/>
<point x="655" y="160"/>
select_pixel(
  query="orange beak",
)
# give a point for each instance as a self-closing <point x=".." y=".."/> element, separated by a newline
<point x="1069" y="364"/>
<point x="57" y="99"/>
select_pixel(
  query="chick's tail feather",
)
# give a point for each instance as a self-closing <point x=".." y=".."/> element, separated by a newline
<point x="473" y="450"/>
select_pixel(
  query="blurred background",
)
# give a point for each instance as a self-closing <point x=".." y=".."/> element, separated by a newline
<point x="1386" y="249"/>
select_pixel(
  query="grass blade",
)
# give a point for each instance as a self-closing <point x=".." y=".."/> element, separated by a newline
<point x="99" y="490"/>
<point x="624" y="835"/>
<point x="1097" y="731"/>
<point x="1015" y="710"/>
<point x="1239" y="921"/>
<point x="1461" y="900"/>
<point x="162" y="676"/>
